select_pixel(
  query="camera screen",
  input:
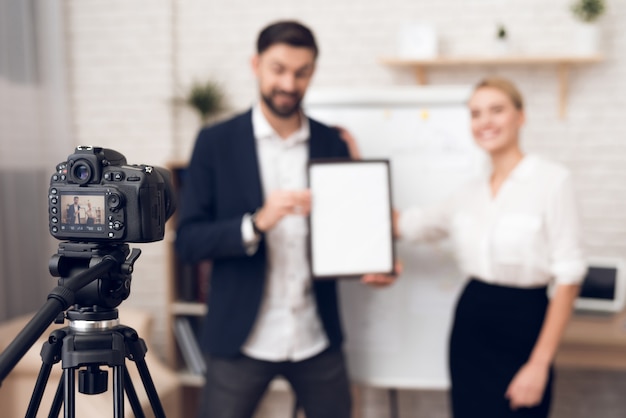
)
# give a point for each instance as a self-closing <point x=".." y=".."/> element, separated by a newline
<point x="82" y="212"/>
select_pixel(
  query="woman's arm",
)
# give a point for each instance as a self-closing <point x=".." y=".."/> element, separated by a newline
<point x="568" y="267"/>
<point x="527" y="387"/>
<point x="557" y="317"/>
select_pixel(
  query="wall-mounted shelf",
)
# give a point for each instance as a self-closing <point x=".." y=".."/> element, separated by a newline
<point x="562" y="63"/>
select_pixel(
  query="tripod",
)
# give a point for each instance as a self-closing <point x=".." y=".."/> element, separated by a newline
<point x="94" y="337"/>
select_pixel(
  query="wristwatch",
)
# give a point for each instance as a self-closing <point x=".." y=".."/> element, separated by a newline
<point x="255" y="228"/>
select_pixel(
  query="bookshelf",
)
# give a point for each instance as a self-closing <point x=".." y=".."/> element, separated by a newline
<point x="563" y="64"/>
<point x="186" y="307"/>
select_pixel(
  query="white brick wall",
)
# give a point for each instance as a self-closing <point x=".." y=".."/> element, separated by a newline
<point x="127" y="59"/>
<point x="121" y="81"/>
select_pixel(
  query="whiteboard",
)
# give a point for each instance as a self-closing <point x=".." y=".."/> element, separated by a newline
<point x="397" y="337"/>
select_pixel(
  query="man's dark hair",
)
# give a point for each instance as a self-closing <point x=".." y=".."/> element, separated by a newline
<point x="287" y="32"/>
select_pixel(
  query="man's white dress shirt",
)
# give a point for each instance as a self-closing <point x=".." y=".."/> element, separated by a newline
<point x="287" y="326"/>
<point x="525" y="236"/>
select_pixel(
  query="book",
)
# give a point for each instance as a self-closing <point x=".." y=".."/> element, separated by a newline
<point x="189" y="347"/>
<point x="203" y="280"/>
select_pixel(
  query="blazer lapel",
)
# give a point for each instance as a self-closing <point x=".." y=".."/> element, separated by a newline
<point x="316" y="146"/>
<point x="244" y="147"/>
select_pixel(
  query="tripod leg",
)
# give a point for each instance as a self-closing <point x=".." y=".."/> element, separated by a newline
<point x="50" y="354"/>
<point x="40" y="387"/>
<point x="148" y="384"/>
<point x="118" y="392"/>
<point x="55" y="408"/>
<point x="137" y="352"/>
<point x="132" y="395"/>
<point x="69" y="383"/>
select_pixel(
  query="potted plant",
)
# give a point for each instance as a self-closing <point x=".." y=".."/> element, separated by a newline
<point x="587" y="12"/>
<point x="207" y="98"/>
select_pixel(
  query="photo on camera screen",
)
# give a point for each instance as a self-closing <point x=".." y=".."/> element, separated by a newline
<point x="82" y="212"/>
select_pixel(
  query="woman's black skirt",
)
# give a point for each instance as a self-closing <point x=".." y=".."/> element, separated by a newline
<point x="495" y="329"/>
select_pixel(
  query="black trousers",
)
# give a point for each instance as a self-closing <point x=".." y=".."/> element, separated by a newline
<point x="234" y="386"/>
<point x="495" y="329"/>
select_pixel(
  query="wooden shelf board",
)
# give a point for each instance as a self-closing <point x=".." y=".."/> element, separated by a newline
<point x="493" y="60"/>
<point x="189" y="308"/>
<point x="594" y="342"/>
<point x="563" y="63"/>
<point x="190" y="379"/>
<point x="597" y="330"/>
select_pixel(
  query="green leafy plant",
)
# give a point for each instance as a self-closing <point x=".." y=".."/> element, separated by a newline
<point x="206" y="98"/>
<point x="588" y="10"/>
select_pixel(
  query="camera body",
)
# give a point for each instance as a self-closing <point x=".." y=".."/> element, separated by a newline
<point x="95" y="196"/>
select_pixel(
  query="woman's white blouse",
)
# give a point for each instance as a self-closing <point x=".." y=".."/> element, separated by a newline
<point x="525" y="236"/>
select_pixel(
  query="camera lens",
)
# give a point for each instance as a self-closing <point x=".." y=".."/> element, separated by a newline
<point x="81" y="173"/>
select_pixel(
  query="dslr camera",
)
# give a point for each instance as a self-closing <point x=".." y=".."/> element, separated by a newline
<point x="95" y="196"/>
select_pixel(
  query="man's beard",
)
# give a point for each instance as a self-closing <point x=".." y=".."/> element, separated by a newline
<point x="282" y="111"/>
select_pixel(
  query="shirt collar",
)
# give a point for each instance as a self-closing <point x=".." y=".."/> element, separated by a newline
<point x="524" y="168"/>
<point x="521" y="171"/>
<point x="263" y="130"/>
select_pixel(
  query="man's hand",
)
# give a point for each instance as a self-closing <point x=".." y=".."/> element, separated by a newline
<point x="383" y="280"/>
<point x="281" y="203"/>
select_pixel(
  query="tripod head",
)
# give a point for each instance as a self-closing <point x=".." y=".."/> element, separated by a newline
<point x="95" y="307"/>
<point x="93" y="280"/>
<point x="108" y="290"/>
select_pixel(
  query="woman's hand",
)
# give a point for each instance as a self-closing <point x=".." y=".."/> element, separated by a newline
<point x="395" y="220"/>
<point x="527" y="387"/>
<point x="353" y="147"/>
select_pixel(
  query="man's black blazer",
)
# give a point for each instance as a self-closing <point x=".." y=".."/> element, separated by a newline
<point x="222" y="183"/>
<point x="71" y="214"/>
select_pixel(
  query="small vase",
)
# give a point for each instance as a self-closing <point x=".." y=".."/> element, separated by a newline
<point x="501" y="46"/>
<point x="587" y="39"/>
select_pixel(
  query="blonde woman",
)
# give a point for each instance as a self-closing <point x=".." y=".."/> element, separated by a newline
<point x="515" y="231"/>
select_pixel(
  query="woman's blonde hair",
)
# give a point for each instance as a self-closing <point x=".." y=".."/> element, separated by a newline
<point x="505" y="86"/>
